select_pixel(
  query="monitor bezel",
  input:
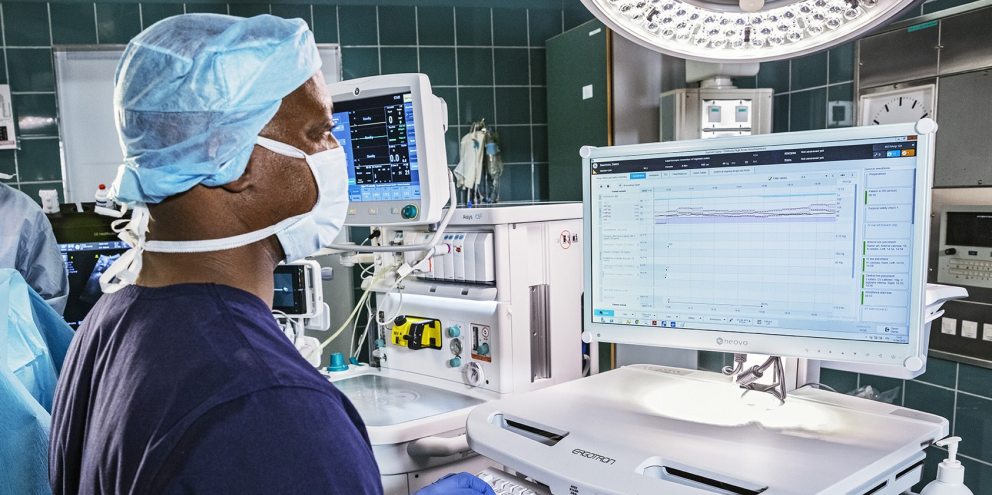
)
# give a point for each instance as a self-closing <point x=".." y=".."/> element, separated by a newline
<point x="891" y="356"/>
<point x="430" y="121"/>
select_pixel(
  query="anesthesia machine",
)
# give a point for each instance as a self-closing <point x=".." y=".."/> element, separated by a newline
<point x="470" y="305"/>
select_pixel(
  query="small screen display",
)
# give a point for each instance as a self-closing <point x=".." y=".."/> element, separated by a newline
<point x="379" y="139"/>
<point x="289" y="295"/>
<point x="969" y="229"/>
<point x="85" y="262"/>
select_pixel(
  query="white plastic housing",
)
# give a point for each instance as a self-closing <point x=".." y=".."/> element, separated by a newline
<point x="430" y="120"/>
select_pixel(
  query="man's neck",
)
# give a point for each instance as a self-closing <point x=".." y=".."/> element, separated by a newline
<point x="248" y="268"/>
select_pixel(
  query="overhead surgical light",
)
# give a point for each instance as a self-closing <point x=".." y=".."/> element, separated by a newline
<point x="743" y="30"/>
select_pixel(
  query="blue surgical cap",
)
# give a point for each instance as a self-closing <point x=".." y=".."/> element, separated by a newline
<point x="192" y="92"/>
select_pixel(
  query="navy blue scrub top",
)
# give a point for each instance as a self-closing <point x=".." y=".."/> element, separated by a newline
<point x="193" y="389"/>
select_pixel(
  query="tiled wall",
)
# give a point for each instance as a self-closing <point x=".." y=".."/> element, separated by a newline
<point x="485" y="59"/>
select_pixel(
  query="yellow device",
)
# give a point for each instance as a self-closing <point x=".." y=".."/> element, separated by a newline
<point x="415" y="332"/>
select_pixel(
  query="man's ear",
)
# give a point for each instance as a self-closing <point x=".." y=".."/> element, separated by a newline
<point x="242" y="183"/>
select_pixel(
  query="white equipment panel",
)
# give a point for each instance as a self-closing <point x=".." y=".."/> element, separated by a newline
<point x="650" y="429"/>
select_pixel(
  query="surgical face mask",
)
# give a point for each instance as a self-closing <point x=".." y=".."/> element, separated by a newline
<point x="299" y="236"/>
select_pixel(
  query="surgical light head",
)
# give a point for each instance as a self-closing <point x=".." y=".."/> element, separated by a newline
<point x="192" y="92"/>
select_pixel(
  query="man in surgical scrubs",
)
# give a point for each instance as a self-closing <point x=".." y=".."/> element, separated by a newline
<point x="181" y="381"/>
<point x="28" y="245"/>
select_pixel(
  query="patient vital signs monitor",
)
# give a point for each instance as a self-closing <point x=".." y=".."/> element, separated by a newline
<point x="809" y="244"/>
<point x="392" y="131"/>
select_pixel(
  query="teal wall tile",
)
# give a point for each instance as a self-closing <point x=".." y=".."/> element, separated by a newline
<point x="774" y="75"/>
<point x="974" y="425"/>
<point x="436" y="25"/>
<point x="397" y="25"/>
<point x="517" y="183"/>
<point x="809" y="71"/>
<point x="544" y="25"/>
<point x="780" y="110"/>
<point x="746" y="82"/>
<point x="358" y="25"/>
<point x="576" y="14"/>
<point x="513" y="106"/>
<point x="32" y="190"/>
<point x="941" y="372"/>
<point x="206" y="8"/>
<point x="30" y="69"/>
<point x="808" y="110"/>
<point x="540" y="143"/>
<point x="930" y="399"/>
<point x="294" y="12"/>
<point x="247" y="9"/>
<point x="359" y="62"/>
<point x="475" y="104"/>
<point x="538" y="67"/>
<point x="439" y="65"/>
<point x="152" y="13"/>
<point x="977" y="476"/>
<point x="325" y="23"/>
<point x="3" y="74"/>
<point x="975" y="380"/>
<point x="841" y="381"/>
<point x="35" y="114"/>
<point x="539" y="105"/>
<point x="841" y="92"/>
<point x="473" y="26"/>
<point x="475" y="66"/>
<point x="509" y="27"/>
<point x="515" y="144"/>
<point x="398" y="60"/>
<point x="26" y="24"/>
<point x="39" y="160"/>
<point x="512" y="66"/>
<point x="7" y="166"/>
<point x="842" y="63"/>
<point x="117" y="22"/>
<point x="73" y="23"/>
<point x="542" y="181"/>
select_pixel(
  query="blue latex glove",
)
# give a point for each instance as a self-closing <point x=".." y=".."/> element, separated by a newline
<point x="457" y="484"/>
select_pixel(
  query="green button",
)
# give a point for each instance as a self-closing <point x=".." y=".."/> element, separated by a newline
<point x="455" y="362"/>
<point x="454" y="331"/>
<point x="410" y="212"/>
<point x="483" y="349"/>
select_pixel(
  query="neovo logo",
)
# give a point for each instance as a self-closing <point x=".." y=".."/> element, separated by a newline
<point x="721" y="341"/>
<point x="593" y="456"/>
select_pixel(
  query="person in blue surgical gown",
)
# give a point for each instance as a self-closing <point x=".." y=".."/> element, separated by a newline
<point x="179" y="380"/>
<point x="28" y="245"/>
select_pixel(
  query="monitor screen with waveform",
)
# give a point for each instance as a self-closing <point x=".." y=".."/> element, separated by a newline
<point x="803" y="244"/>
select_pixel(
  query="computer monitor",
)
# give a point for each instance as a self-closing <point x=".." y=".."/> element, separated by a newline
<point x="805" y="244"/>
<point x="392" y="130"/>
<point x="85" y="262"/>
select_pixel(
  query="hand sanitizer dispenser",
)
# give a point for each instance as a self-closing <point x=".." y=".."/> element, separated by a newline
<point x="950" y="472"/>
